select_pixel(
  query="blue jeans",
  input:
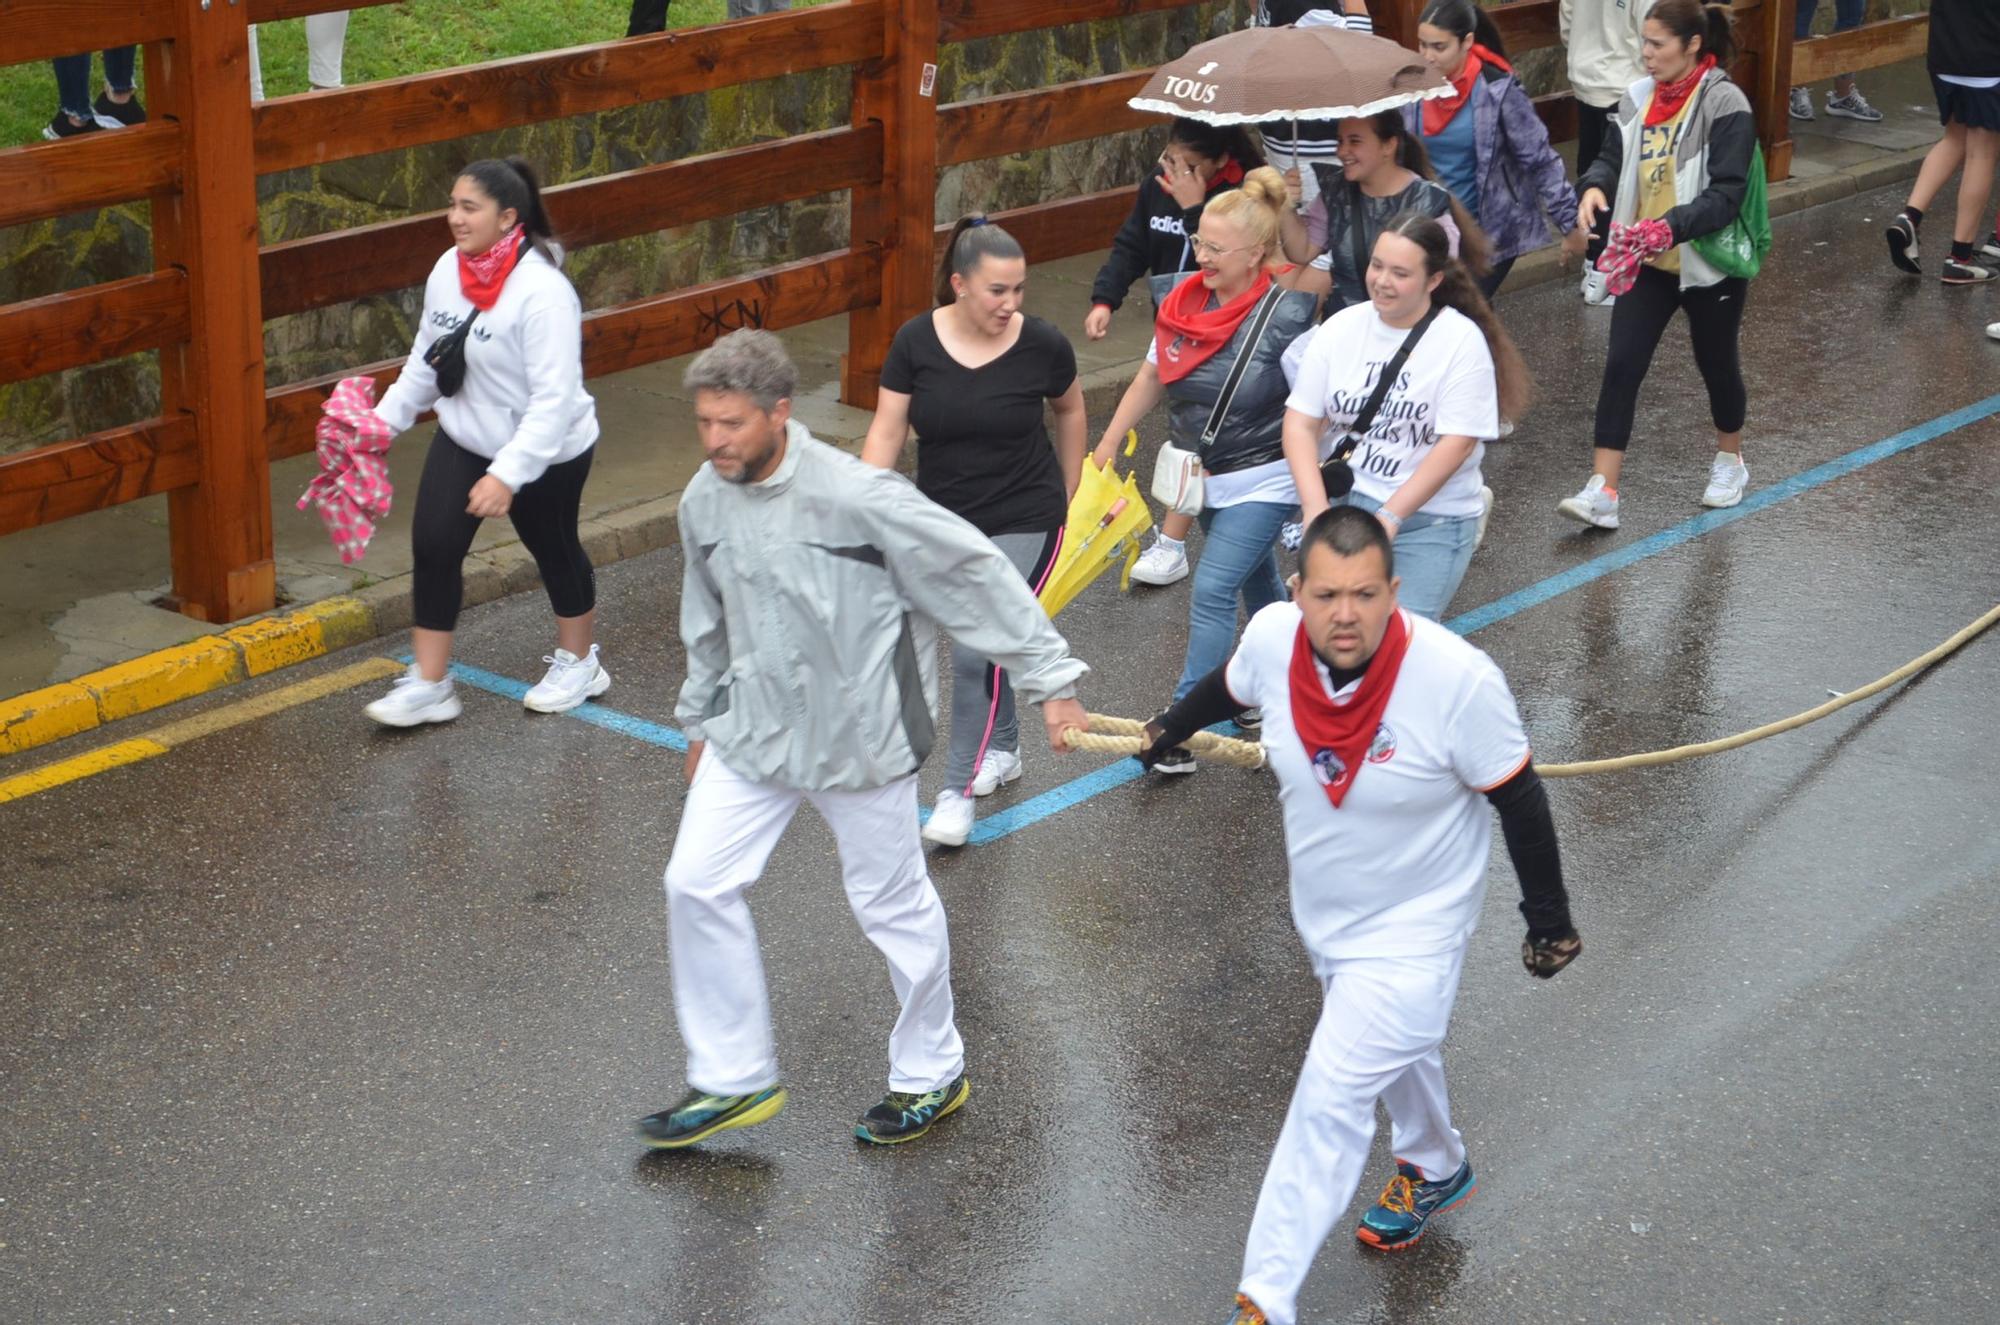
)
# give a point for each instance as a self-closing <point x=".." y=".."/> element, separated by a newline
<point x="73" y="78"/>
<point x="1432" y="552"/>
<point x="1846" y="14"/>
<point x="1239" y="556"/>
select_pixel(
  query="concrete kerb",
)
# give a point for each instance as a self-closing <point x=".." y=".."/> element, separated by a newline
<point x="257" y="647"/>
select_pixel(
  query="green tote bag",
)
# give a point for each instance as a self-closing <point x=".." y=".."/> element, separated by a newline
<point x="1738" y="248"/>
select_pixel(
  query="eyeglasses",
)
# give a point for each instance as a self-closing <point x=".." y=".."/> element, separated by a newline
<point x="1202" y="248"/>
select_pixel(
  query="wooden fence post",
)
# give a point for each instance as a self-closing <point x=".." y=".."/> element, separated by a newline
<point x="219" y="529"/>
<point x="1771" y="91"/>
<point x="898" y="216"/>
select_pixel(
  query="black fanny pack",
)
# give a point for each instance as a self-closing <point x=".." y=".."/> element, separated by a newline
<point x="446" y="356"/>
<point x="1336" y="473"/>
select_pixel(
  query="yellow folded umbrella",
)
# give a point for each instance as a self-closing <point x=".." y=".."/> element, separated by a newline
<point x="1106" y="518"/>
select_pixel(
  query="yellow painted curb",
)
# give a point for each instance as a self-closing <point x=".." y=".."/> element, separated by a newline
<point x="181" y="672"/>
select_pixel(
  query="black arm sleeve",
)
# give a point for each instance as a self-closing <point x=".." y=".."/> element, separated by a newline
<point x="1128" y="260"/>
<point x="1732" y="143"/>
<point x="1204" y="706"/>
<point x="1530" y="831"/>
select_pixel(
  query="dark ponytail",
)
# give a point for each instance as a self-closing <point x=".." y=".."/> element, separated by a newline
<point x="972" y="241"/>
<point x="1688" y="19"/>
<point x="1462" y="19"/>
<point x="513" y="187"/>
<point x="1475" y="250"/>
<point x="1459" y="290"/>
<point x="1217" y="142"/>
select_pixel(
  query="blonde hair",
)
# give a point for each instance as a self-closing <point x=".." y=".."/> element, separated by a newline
<point x="1254" y="207"/>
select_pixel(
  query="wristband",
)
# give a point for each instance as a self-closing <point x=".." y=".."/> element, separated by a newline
<point x="1388" y="516"/>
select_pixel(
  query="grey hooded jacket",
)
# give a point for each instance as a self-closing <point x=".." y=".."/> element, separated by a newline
<point x="809" y="605"/>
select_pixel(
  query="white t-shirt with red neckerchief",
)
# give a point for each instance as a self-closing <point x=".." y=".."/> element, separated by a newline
<point x="1399" y="870"/>
<point x="1447" y="389"/>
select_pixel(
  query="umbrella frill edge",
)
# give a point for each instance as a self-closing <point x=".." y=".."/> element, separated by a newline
<point x="1156" y="106"/>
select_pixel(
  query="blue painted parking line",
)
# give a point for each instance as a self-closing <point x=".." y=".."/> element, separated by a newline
<point x="1004" y="823"/>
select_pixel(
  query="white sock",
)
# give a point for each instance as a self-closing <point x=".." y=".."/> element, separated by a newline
<point x="1171" y="544"/>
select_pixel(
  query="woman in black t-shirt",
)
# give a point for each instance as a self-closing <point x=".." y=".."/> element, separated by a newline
<point x="972" y="377"/>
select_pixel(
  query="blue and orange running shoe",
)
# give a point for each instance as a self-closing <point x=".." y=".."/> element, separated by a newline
<point x="701" y="1115"/>
<point x="1398" y="1220"/>
<point x="903" y="1116"/>
<point x="1247" y="1313"/>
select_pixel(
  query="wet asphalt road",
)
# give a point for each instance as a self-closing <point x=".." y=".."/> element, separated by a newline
<point x="308" y="1022"/>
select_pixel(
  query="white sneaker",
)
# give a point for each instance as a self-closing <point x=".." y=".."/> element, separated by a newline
<point x="1597" y="289"/>
<point x="996" y="770"/>
<point x="569" y="682"/>
<point x="1161" y="563"/>
<point x="1727" y="477"/>
<point x="413" y="701"/>
<point x="1802" y="104"/>
<point x="1993" y="330"/>
<point x="1593" y="506"/>
<point x="950" y="823"/>
<point x="1485" y="514"/>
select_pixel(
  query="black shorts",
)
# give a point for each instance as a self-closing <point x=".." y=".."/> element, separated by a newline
<point x="1974" y="107"/>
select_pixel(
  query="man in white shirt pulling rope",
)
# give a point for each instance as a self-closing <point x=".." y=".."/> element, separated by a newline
<point x="1389" y="734"/>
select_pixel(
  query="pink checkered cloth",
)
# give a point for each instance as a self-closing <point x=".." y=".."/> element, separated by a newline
<point x="352" y="488"/>
<point x="1629" y="248"/>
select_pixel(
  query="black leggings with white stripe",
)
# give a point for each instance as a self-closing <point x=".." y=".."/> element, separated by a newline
<point x="544" y="513"/>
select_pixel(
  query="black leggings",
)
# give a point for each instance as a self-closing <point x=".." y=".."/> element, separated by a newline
<point x="544" y="513"/>
<point x="1715" y="320"/>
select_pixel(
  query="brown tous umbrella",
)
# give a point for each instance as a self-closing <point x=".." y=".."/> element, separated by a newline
<point x="1264" y="74"/>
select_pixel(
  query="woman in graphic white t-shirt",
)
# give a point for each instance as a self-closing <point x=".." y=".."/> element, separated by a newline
<point x="1418" y="466"/>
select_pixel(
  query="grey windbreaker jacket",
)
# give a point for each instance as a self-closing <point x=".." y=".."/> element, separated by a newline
<point x="809" y="605"/>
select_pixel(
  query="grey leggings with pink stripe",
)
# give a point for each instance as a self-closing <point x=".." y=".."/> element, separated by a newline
<point x="982" y="703"/>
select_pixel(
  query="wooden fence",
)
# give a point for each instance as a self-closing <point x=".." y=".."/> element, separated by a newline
<point x="203" y="308"/>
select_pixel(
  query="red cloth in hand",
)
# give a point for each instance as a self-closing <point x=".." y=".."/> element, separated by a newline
<point x="352" y="489"/>
<point x="1629" y="248"/>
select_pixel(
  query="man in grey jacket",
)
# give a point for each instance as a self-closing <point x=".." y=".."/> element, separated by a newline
<point x="811" y="594"/>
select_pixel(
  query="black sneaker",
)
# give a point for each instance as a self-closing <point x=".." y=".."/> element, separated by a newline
<point x="1250" y="722"/>
<point x="903" y="1116"/>
<point x="1967" y="273"/>
<point x="62" y="126"/>
<point x="1176" y="761"/>
<point x="127" y="113"/>
<point x="1903" y="248"/>
<point x="701" y="1115"/>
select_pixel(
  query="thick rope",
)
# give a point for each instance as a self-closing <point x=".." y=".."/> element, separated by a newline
<point x="1653" y="758"/>
<point x="1124" y="736"/>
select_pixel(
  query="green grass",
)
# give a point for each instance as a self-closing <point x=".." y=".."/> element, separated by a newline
<point x="387" y="41"/>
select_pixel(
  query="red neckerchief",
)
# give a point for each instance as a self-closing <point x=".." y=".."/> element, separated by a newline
<point x="480" y="278"/>
<point x="1438" y="111"/>
<point x="1337" y="734"/>
<point x="1187" y="334"/>
<point x="1228" y="177"/>
<point x="1668" y="98"/>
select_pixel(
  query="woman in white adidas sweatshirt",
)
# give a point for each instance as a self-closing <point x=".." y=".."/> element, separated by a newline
<point x="514" y="438"/>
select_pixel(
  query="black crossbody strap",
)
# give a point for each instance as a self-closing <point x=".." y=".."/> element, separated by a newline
<point x="1390" y="372"/>
<point x="1261" y="320"/>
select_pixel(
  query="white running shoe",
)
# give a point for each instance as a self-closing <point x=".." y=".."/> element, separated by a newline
<point x="1727" y="477"/>
<point x="1593" y="505"/>
<point x="1993" y="330"/>
<point x="996" y="770"/>
<point x="569" y="682"/>
<point x="950" y="823"/>
<point x="413" y="701"/>
<point x="1161" y="564"/>
<point x="1597" y="289"/>
<point x="1485" y="514"/>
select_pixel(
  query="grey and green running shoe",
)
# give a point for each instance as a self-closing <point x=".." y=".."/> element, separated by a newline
<point x="701" y="1115"/>
<point x="1399" y="1219"/>
<point x="902" y="1116"/>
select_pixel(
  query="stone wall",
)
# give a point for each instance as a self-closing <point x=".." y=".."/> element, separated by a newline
<point x="81" y="250"/>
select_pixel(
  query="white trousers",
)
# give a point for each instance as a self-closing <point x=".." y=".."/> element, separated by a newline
<point x="326" y="43"/>
<point x="729" y="827"/>
<point x="1378" y="1037"/>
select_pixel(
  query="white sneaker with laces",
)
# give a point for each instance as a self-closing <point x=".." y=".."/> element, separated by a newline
<point x="1161" y="563"/>
<point x="1485" y="514"/>
<point x="996" y="770"/>
<point x="1853" y="106"/>
<point x="413" y="701"/>
<point x="1802" y="104"/>
<point x="570" y="681"/>
<point x="1597" y="289"/>
<point x="1727" y="477"/>
<point x="950" y="823"/>
<point x="1593" y="505"/>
